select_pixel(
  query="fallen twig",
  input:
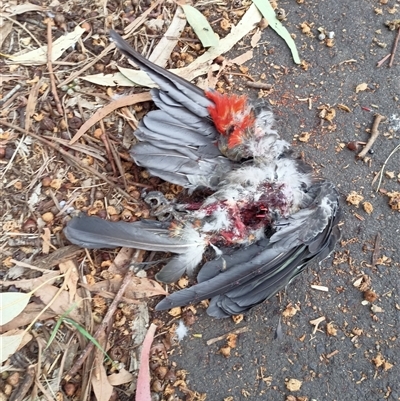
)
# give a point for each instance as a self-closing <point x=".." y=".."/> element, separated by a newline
<point x="396" y="42"/>
<point x="132" y="26"/>
<point x="379" y="63"/>
<point x="316" y="323"/>
<point x="107" y="318"/>
<point x="10" y="94"/>
<point x="375" y="252"/>
<point x="332" y="354"/>
<point x="259" y="85"/>
<point x="240" y="74"/>
<point x="107" y="109"/>
<point x="373" y="137"/>
<point x="113" y="155"/>
<point x="216" y="339"/>
<point x="380" y="174"/>
<point x="25" y="383"/>
<point x="50" y="67"/>
<point x="106" y="142"/>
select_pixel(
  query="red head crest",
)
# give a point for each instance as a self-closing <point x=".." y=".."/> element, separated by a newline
<point x="231" y="115"/>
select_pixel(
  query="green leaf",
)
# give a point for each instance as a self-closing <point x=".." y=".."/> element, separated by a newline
<point x="200" y="26"/>
<point x="268" y="13"/>
<point x="86" y="334"/>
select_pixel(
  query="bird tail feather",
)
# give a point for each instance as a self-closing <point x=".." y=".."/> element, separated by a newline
<point x="150" y="235"/>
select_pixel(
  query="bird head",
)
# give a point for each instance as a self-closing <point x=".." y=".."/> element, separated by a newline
<point x="245" y="131"/>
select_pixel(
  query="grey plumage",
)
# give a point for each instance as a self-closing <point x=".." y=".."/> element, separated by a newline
<point x="268" y="217"/>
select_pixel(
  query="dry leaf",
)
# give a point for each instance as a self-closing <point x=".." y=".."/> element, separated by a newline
<point x="231" y="340"/>
<point x="39" y="56"/>
<point x="71" y="277"/>
<point x="225" y="24"/>
<point x="294" y="385"/>
<point x="169" y="40"/>
<point x="354" y="198"/>
<point x="243" y="58"/>
<point x="237" y="318"/>
<point x="387" y="366"/>
<point x="290" y="311"/>
<point x="175" y="311"/>
<point x="12" y="304"/>
<point x="331" y="329"/>
<point x="378" y="360"/>
<point x="368" y="207"/>
<point x="306" y="28"/>
<point x="122" y="377"/>
<point x="394" y="200"/>
<point x="101" y="386"/>
<point x="255" y="38"/>
<point x="343" y="107"/>
<point x="27" y="316"/>
<point x="225" y="351"/>
<point x="304" y="136"/>
<point x="12" y="341"/>
<point x="361" y="87"/>
<point x="139" y="287"/>
<point x="143" y="381"/>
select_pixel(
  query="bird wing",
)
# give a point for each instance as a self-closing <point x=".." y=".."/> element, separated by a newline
<point x="150" y="235"/>
<point x="181" y="134"/>
<point x="251" y="275"/>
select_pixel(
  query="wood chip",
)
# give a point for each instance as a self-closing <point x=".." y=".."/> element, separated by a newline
<point x="316" y="323"/>
<point x="320" y="288"/>
<point x="238" y="331"/>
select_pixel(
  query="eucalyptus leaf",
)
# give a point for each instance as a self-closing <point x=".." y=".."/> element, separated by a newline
<point x="12" y="304"/>
<point x="265" y="8"/>
<point x="200" y="26"/>
<point x="9" y="345"/>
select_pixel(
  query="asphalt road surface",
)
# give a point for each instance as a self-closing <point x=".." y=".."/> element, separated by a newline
<point x="354" y="354"/>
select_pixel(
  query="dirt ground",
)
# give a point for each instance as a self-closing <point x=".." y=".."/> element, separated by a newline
<point x="330" y="100"/>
